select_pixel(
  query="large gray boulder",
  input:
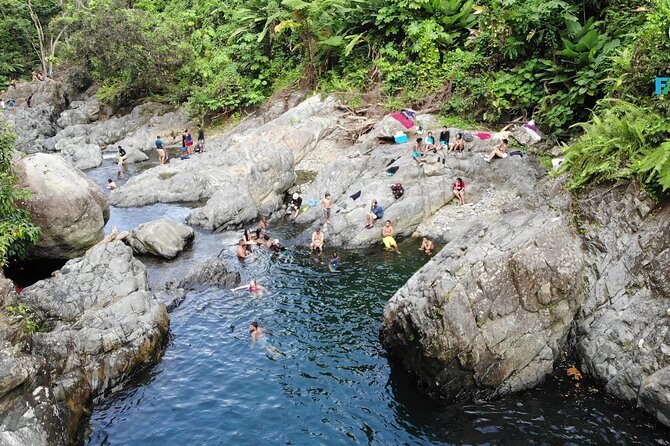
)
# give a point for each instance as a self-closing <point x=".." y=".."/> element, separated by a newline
<point x="210" y="273"/>
<point x="79" y="154"/>
<point x="65" y="203"/>
<point x="243" y="174"/>
<point x="103" y="323"/>
<point x="623" y="330"/>
<point x="162" y="238"/>
<point x="491" y="312"/>
<point x="99" y="325"/>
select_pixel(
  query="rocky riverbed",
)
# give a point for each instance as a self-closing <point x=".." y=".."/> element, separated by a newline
<point x="526" y="273"/>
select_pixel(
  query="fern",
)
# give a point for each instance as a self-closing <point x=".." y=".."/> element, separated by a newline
<point x="621" y="142"/>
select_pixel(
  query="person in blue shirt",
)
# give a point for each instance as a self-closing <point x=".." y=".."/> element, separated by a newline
<point x="376" y="213"/>
<point x="162" y="157"/>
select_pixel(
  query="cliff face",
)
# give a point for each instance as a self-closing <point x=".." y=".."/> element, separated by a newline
<point x="622" y="332"/>
<point x="490" y="313"/>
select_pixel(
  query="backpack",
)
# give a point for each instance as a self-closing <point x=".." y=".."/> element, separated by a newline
<point x="397" y="190"/>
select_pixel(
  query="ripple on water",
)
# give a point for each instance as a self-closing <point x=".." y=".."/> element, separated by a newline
<point x="328" y="381"/>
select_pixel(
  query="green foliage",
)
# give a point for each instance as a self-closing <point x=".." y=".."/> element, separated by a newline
<point x="621" y="142"/>
<point x="26" y="313"/>
<point x="16" y="229"/>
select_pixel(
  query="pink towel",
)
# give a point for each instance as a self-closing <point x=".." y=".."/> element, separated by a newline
<point x="403" y="120"/>
<point x="482" y="135"/>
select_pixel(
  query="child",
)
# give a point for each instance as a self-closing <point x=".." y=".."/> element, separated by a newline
<point x="327" y="203"/>
<point x="430" y="143"/>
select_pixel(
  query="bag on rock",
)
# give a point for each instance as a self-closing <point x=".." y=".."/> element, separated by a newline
<point x="397" y="190"/>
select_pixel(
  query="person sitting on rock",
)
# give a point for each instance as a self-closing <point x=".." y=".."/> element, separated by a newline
<point x="499" y="151"/>
<point x="427" y="246"/>
<point x="458" y="144"/>
<point x="459" y="190"/>
<point x="111" y="185"/>
<point x="376" y="213"/>
<point x="387" y="237"/>
<point x="444" y="138"/>
<point x="318" y="238"/>
<point x="293" y="208"/>
<point x="430" y="143"/>
<point x="418" y="151"/>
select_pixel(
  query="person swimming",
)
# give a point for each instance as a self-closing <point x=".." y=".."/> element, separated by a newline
<point x="258" y="337"/>
<point x="254" y="288"/>
<point x="334" y="263"/>
<point x="427" y="246"/>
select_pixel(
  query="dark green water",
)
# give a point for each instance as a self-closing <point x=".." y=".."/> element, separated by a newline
<point x="332" y="383"/>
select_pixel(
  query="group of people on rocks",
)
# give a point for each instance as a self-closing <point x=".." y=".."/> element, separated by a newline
<point x="161" y="152"/>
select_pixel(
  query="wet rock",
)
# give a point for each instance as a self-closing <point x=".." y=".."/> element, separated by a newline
<point x="162" y="238"/>
<point x="493" y="319"/>
<point x="65" y="203"/>
<point x="210" y="273"/>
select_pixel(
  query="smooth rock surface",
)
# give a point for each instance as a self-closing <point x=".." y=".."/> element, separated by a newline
<point x="162" y="238"/>
<point x="210" y="273"/>
<point x="65" y="203"/>
<point x="81" y="155"/>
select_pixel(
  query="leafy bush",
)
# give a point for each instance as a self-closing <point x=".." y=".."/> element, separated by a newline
<point x="622" y="141"/>
<point x="16" y="229"/>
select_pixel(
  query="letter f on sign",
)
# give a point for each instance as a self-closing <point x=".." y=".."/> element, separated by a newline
<point x="662" y="85"/>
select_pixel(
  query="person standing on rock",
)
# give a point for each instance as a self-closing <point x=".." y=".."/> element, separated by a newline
<point x="376" y="213"/>
<point x="327" y="204"/>
<point x="160" y="151"/>
<point x="459" y="190"/>
<point x="427" y="246"/>
<point x="318" y="238"/>
<point x="201" y="139"/>
<point x="387" y="237"/>
<point x="188" y="141"/>
<point x="122" y="157"/>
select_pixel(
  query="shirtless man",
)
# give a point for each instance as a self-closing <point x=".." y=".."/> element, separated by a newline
<point x="327" y="203"/>
<point x="256" y="332"/>
<point x="242" y="251"/>
<point x="427" y="246"/>
<point x="318" y="238"/>
<point x="387" y="237"/>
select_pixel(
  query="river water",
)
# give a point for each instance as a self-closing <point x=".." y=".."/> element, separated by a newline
<point x="321" y="376"/>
